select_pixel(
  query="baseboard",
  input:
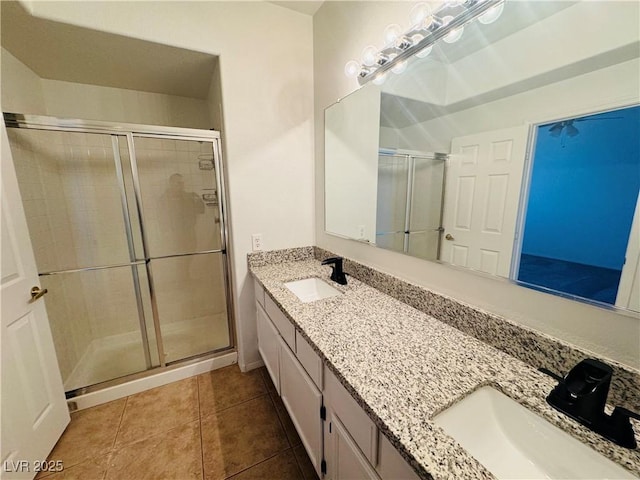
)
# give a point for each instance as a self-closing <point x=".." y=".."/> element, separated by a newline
<point x="141" y="384"/>
<point x="246" y="367"/>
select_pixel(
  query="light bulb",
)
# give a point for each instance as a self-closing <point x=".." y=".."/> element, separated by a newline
<point x="369" y="55"/>
<point x="380" y="78"/>
<point x="492" y="14"/>
<point x="352" y="69"/>
<point x="392" y="33"/>
<point x="399" y="67"/>
<point x="455" y="34"/>
<point x="424" y="52"/>
<point x="416" y="37"/>
<point x="419" y="12"/>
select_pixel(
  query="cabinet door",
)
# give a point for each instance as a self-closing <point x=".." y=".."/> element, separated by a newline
<point x="303" y="400"/>
<point x="360" y="427"/>
<point x="268" y="345"/>
<point x="391" y="465"/>
<point x="345" y="461"/>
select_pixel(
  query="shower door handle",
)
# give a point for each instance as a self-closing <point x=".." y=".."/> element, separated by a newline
<point x="37" y="292"/>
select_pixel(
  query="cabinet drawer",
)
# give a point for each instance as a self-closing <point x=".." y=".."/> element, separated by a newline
<point x="392" y="466"/>
<point x="259" y="291"/>
<point x="282" y="323"/>
<point x="309" y="359"/>
<point x="355" y="420"/>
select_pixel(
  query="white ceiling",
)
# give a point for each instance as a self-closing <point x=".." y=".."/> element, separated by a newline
<point x="59" y="51"/>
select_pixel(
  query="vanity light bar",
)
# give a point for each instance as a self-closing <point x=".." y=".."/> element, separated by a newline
<point x="452" y="16"/>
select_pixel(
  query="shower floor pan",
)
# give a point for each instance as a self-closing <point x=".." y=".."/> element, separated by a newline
<point x="119" y="355"/>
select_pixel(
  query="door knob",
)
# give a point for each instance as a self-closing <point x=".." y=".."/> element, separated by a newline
<point x="37" y="292"/>
<point x="448" y="236"/>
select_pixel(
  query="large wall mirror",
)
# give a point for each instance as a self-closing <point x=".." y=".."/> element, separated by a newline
<point x="514" y="152"/>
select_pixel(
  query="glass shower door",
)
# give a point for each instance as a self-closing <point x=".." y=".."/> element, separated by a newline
<point x="425" y="212"/>
<point x="409" y="208"/>
<point x="182" y="230"/>
<point x="72" y="188"/>
<point x="391" y="210"/>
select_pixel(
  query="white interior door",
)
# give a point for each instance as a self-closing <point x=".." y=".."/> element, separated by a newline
<point x="629" y="287"/>
<point x="481" y="199"/>
<point x="33" y="406"/>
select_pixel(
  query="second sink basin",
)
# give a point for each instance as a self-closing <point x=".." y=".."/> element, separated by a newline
<point x="513" y="442"/>
<point x="312" y="289"/>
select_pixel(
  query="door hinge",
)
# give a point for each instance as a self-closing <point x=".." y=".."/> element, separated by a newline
<point x="323" y="413"/>
<point x="323" y="466"/>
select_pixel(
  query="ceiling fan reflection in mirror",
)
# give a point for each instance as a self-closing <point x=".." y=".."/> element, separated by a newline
<point x="566" y="128"/>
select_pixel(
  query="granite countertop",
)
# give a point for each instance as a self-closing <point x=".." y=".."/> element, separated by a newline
<point x="404" y="367"/>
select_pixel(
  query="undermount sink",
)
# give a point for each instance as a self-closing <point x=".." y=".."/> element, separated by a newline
<point x="513" y="442"/>
<point x="312" y="289"/>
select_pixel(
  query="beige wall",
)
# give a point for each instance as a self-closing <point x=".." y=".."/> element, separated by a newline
<point x="21" y="87"/>
<point x="336" y="41"/>
<point x="267" y="91"/>
<point x="92" y="102"/>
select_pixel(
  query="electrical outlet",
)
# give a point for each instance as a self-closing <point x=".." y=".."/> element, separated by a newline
<point x="360" y="232"/>
<point x="256" y="242"/>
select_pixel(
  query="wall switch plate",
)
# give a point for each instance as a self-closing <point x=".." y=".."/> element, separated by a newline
<point x="256" y="242"/>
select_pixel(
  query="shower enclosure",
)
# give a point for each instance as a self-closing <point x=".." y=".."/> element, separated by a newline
<point x="410" y="199"/>
<point x="127" y="223"/>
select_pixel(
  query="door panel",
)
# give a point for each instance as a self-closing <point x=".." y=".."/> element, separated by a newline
<point x="179" y="190"/>
<point x="303" y="401"/>
<point x="269" y="345"/>
<point x="345" y="461"/>
<point x="424" y="244"/>
<point x="393" y="174"/>
<point x="72" y="198"/>
<point x="33" y="407"/>
<point x="482" y="197"/>
<point x="191" y="305"/>
<point x="94" y="317"/>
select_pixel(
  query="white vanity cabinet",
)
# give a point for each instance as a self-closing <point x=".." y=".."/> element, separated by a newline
<point x="339" y="437"/>
<point x="301" y="393"/>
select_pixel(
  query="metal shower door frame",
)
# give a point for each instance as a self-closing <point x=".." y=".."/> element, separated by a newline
<point x="130" y="132"/>
<point x="410" y="158"/>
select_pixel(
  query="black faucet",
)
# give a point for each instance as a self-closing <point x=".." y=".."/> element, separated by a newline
<point x="337" y="275"/>
<point x="582" y="395"/>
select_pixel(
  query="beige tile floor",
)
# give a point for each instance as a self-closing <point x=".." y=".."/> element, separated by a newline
<point x="222" y="424"/>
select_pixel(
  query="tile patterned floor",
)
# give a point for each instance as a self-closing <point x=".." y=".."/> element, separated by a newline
<point x="222" y="424"/>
